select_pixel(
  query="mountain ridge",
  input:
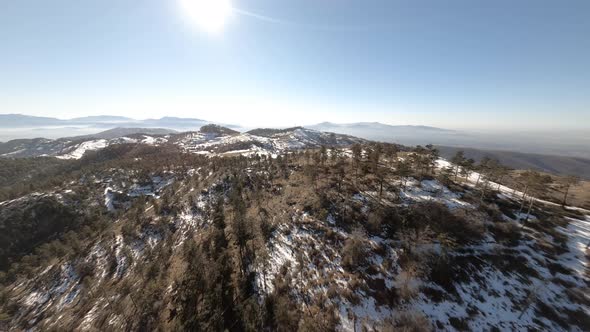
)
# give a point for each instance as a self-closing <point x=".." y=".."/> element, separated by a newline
<point x="144" y="237"/>
<point x="561" y="165"/>
<point x="19" y="120"/>
<point x="375" y="124"/>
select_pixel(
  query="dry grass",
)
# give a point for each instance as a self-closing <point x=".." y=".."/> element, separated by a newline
<point x="408" y="322"/>
<point x="578" y="195"/>
<point x="407" y="288"/>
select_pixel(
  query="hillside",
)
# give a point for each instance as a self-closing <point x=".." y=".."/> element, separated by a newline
<point x="300" y="237"/>
<point x="210" y="139"/>
<point x="560" y="165"/>
<point x="217" y="129"/>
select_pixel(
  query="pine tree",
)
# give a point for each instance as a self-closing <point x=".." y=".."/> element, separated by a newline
<point x="403" y="170"/>
<point x="458" y="160"/>
<point x="431" y="157"/>
<point x="446" y="175"/>
<point x="467" y="168"/>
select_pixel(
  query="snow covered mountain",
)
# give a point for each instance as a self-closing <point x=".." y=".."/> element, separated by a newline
<point x="211" y="139"/>
<point x="257" y="142"/>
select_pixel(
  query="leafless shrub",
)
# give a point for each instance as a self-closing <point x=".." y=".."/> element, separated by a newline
<point x="348" y="294"/>
<point x="506" y="232"/>
<point x="332" y="291"/>
<point x="408" y="322"/>
<point x="407" y="289"/>
<point x="354" y="252"/>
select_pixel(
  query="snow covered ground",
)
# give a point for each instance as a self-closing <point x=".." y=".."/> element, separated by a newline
<point x="497" y="286"/>
<point x="81" y="148"/>
<point x="78" y="151"/>
<point x="490" y="291"/>
<point x="434" y="191"/>
<point x="247" y="144"/>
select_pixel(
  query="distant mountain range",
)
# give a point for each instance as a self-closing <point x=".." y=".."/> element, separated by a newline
<point x="102" y="118"/>
<point x="18" y="126"/>
<point x="121" y="132"/>
<point x="26" y="121"/>
<point x="376" y="126"/>
<point x="409" y="135"/>
<point x="18" y="120"/>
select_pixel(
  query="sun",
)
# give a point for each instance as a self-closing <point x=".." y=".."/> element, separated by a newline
<point x="208" y="15"/>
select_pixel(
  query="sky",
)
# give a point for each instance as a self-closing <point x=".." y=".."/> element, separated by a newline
<point x="489" y="65"/>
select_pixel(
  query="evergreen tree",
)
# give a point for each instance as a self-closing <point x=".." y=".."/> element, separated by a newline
<point x="458" y="160"/>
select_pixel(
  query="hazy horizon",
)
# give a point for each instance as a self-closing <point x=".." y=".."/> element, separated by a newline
<point x="297" y="123"/>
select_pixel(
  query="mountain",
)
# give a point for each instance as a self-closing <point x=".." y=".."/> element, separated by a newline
<point x="216" y="139"/>
<point x="11" y="120"/>
<point x="76" y="146"/>
<point x="102" y="118"/>
<point x="210" y="139"/>
<point x="147" y="237"/>
<point x="219" y="139"/>
<point x="18" y="120"/>
<point x="375" y="128"/>
<point x="174" y="122"/>
<point x="408" y="135"/>
<point x="260" y="142"/>
<point x="269" y="132"/>
<point x="24" y="126"/>
<point x="121" y="132"/>
<point x="217" y="130"/>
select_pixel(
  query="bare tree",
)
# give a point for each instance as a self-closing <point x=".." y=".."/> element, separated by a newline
<point x="527" y="179"/>
<point x="566" y="184"/>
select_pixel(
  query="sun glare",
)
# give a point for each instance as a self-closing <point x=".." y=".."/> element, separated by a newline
<point x="207" y="15"/>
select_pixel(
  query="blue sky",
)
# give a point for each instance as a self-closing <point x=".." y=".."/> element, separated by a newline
<point x="454" y="64"/>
